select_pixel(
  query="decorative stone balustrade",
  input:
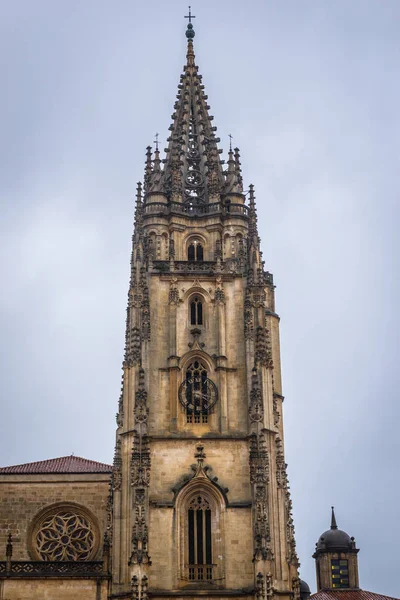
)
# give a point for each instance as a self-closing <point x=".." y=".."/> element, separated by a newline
<point x="41" y="568"/>
<point x="195" y="210"/>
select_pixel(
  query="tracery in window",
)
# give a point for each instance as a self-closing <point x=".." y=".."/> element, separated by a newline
<point x="64" y="534"/>
<point x="197" y="393"/>
<point x="200" y="566"/>
<point x="196" y="311"/>
<point x="195" y="251"/>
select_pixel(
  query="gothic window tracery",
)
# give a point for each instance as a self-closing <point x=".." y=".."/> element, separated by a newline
<point x="200" y="566"/>
<point x="197" y="393"/>
<point x="196" y="311"/>
<point x="200" y="527"/>
<point x="64" y="533"/>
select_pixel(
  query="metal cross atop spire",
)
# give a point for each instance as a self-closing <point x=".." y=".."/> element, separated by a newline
<point x="190" y="16"/>
<point x="230" y="141"/>
<point x="156" y="141"/>
<point x="190" y="31"/>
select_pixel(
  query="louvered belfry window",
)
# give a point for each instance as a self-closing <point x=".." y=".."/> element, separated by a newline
<point x="199" y="540"/>
<point x="196" y="311"/>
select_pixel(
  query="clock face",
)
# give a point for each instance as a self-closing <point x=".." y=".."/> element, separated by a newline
<point x="197" y="393"/>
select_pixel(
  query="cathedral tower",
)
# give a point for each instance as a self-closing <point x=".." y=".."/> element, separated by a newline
<point x="199" y="501"/>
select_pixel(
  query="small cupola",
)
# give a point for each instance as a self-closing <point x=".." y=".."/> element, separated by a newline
<point x="305" y="591"/>
<point x="336" y="559"/>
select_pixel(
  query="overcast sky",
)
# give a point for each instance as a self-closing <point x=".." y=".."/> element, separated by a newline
<point x="310" y="92"/>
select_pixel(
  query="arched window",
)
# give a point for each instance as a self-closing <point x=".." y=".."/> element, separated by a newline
<point x="197" y="393"/>
<point x="200" y="529"/>
<point x="200" y="566"/>
<point x="195" y="251"/>
<point x="196" y="311"/>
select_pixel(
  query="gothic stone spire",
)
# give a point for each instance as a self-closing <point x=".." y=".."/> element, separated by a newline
<point x="192" y="172"/>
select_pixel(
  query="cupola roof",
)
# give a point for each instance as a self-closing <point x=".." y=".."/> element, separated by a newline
<point x="305" y="591"/>
<point x="335" y="539"/>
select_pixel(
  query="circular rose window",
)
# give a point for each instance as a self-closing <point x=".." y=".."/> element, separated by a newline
<point x="64" y="533"/>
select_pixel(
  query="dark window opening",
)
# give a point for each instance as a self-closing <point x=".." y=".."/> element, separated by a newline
<point x="196" y="312"/>
<point x="199" y="540"/>
<point x="340" y="573"/>
<point x="195" y="252"/>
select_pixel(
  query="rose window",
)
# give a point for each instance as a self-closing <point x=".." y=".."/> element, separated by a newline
<point x="65" y="534"/>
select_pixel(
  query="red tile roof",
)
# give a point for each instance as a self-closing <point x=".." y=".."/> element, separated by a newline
<point x="349" y="595"/>
<point x="64" y="464"/>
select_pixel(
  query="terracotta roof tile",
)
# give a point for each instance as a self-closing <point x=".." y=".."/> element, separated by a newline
<point x="63" y="464"/>
<point x="349" y="595"/>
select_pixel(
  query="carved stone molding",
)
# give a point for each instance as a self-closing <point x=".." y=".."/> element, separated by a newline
<point x="256" y="408"/>
<point x="139" y="587"/>
<point x="116" y="477"/>
<point x="264" y="587"/>
<point x="259" y="478"/>
<point x="248" y="317"/>
<point x="173" y="297"/>
<point x="140" y="535"/>
<point x="145" y="306"/>
<point x="260" y="587"/>
<point x="259" y="461"/>
<point x="296" y="588"/>
<point x="140" y="461"/>
<point x="281" y="475"/>
<point x="141" y="410"/>
<point x="219" y="296"/>
<point x="263" y="354"/>
<point x="276" y="412"/>
<point x="290" y="538"/>
<point x="269" y="590"/>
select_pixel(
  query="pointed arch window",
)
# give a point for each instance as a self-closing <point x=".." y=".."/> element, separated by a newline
<point x="197" y="393"/>
<point x="195" y="252"/>
<point x="196" y="311"/>
<point x="200" y="566"/>
<point x="200" y="527"/>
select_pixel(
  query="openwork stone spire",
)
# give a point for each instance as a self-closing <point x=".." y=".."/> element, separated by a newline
<point x="192" y="173"/>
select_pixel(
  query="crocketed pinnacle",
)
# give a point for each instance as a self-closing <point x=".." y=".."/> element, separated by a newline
<point x="253" y="230"/>
<point x="192" y="172"/>
<point x="233" y="184"/>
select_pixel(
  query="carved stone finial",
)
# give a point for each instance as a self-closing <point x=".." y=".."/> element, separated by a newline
<point x="135" y="588"/>
<point x="147" y="169"/>
<point x="196" y="333"/>
<point x="141" y="378"/>
<point x="238" y="168"/>
<point x="200" y="455"/>
<point x="260" y="588"/>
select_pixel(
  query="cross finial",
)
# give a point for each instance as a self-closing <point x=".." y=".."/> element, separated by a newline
<point x="190" y="16"/>
<point x="156" y="142"/>
<point x="230" y="142"/>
